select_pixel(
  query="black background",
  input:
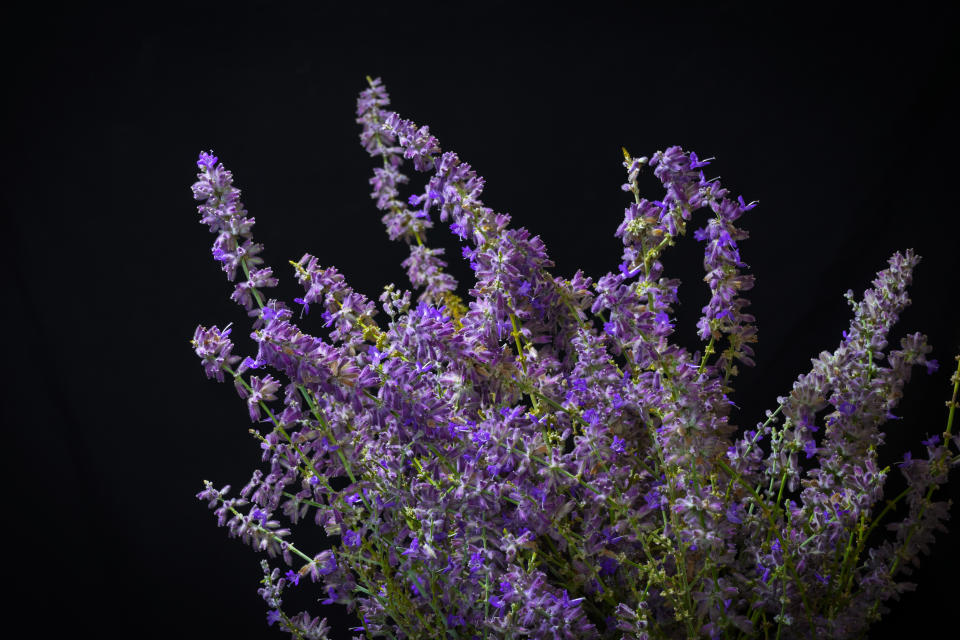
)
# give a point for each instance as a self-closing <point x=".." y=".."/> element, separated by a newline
<point x="841" y="125"/>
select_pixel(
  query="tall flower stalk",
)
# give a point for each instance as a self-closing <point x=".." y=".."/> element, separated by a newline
<point x="542" y="460"/>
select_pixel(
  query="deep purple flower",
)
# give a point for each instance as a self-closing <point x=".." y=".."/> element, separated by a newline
<point x="414" y="546"/>
<point x="608" y="566"/>
<point x="744" y="206"/>
<point x="618" y="444"/>
<point x="423" y="368"/>
<point x="932" y="441"/>
<point x="351" y="538"/>
<point x="207" y="160"/>
<point x="476" y="562"/>
<point x="332" y="596"/>
<point x="696" y="163"/>
<point x="481" y="437"/>
<point x="306" y="306"/>
<point x="734" y="514"/>
<point x="764" y="573"/>
<point x="846" y="408"/>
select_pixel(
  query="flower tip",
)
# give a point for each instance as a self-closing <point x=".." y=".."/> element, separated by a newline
<point x="207" y="160"/>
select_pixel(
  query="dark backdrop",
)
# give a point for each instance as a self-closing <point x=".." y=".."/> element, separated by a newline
<point x="840" y="124"/>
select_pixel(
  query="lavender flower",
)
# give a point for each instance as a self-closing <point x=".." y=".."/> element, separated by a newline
<point x="214" y="348"/>
<point x="544" y="460"/>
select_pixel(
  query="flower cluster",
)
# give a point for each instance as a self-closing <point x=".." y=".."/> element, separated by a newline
<point x="543" y="460"/>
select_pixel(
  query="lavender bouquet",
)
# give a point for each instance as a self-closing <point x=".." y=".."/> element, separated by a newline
<point x="543" y="462"/>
